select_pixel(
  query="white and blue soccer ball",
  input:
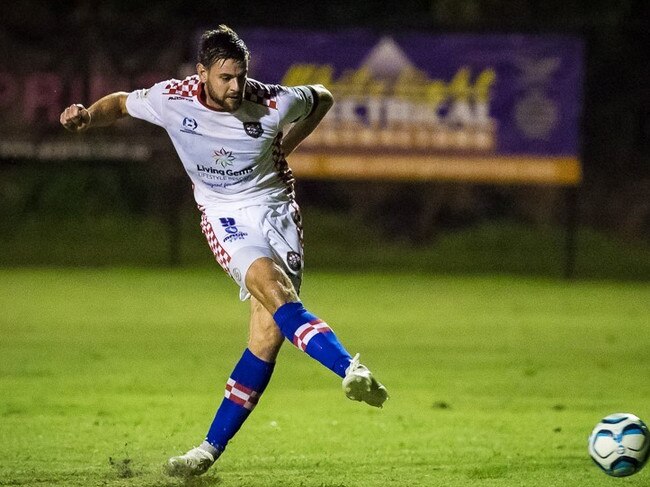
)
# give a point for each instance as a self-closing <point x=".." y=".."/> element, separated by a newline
<point x="620" y="444"/>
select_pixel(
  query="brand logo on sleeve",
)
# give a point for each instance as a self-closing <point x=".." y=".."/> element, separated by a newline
<point x="253" y="129"/>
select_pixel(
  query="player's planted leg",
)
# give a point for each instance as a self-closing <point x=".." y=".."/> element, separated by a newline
<point x="243" y="389"/>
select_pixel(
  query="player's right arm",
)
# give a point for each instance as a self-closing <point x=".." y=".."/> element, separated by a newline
<point x="104" y="112"/>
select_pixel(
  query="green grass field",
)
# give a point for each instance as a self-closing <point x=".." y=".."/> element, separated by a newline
<point x="495" y="381"/>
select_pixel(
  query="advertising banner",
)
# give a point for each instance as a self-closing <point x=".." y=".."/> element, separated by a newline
<point x="484" y="108"/>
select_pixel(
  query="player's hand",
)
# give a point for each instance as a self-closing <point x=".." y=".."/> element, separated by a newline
<point x="75" y="118"/>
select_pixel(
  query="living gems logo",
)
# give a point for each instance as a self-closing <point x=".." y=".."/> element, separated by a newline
<point x="223" y="157"/>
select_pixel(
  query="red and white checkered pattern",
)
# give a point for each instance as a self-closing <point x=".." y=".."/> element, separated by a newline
<point x="260" y="93"/>
<point x="297" y="219"/>
<point x="282" y="166"/>
<point x="188" y="87"/>
<point x="223" y="258"/>
<point x="308" y="331"/>
<point x="240" y="394"/>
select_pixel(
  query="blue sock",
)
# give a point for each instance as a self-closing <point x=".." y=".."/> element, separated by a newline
<point x="312" y="336"/>
<point x="243" y="389"/>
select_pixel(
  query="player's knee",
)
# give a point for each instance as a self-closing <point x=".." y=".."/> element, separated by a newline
<point x="269" y="284"/>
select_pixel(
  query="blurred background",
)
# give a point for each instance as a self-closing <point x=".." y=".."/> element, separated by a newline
<point x="535" y="158"/>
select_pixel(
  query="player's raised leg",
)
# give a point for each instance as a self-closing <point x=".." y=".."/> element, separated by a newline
<point x="243" y="389"/>
<point x="272" y="287"/>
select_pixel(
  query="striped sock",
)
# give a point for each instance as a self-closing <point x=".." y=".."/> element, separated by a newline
<point x="243" y="389"/>
<point x="312" y="336"/>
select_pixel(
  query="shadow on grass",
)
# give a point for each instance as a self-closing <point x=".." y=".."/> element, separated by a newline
<point x="204" y="481"/>
<point x="123" y="468"/>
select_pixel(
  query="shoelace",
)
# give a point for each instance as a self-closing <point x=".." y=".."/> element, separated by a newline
<point x="354" y="363"/>
<point x="196" y="455"/>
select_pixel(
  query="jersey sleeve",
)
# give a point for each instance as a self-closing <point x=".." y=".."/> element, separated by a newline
<point x="147" y="104"/>
<point x="295" y="103"/>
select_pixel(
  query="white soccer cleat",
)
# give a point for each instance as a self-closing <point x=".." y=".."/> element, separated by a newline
<point x="194" y="462"/>
<point x="360" y="385"/>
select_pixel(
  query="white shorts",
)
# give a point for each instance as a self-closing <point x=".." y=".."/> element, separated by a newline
<point x="239" y="237"/>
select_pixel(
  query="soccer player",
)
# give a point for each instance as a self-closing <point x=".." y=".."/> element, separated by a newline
<point x="228" y="131"/>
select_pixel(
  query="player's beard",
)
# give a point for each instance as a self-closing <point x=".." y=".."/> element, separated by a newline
<point x="228" y="103"/>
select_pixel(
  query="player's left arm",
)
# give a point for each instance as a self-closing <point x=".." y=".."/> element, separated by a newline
<point x="323" y="101"/>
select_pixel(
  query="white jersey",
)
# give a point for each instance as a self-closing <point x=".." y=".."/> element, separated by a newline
<point x="233" y="159"/>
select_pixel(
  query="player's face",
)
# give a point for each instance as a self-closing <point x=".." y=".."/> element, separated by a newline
<point x="224" y="83"/>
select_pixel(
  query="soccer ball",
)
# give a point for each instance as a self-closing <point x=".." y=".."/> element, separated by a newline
<point x="620" y="444"/>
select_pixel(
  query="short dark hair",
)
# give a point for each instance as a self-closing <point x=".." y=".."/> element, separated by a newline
<point x="220" y="44"/>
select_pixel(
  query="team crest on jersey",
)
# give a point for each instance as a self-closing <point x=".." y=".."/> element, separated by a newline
<point x="294" y="261"/>
<point x="253" y="129"/>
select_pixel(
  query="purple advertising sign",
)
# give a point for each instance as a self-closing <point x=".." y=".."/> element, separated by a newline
<point x="482" y="97"/>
